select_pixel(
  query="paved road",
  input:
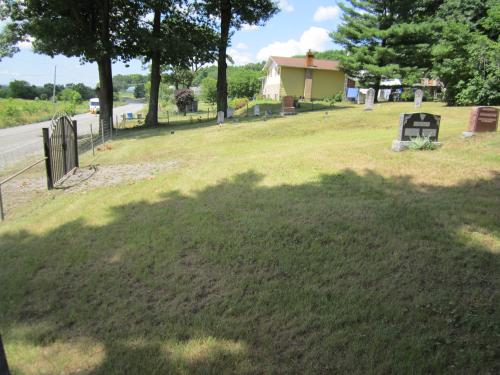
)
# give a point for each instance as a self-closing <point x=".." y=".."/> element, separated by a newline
<point x="25" y="141"/>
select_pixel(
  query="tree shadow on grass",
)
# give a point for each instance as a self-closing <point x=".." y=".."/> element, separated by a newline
<point x="350" y="274"/>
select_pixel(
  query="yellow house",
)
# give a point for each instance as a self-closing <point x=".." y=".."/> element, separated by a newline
<point x="305" y="77"/>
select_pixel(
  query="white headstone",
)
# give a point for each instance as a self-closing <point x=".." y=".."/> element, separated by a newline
<point x="419" y="95"/>
<point x="370" y="98"/>
<point x="230" y="112"/>
<point x="220" y="117"/>
<point x="256" y="110"/>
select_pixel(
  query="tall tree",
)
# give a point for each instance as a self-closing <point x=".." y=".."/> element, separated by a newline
<point x="93" y="30"/>
<point x="466" y="55"/>
<point x="231" y="15"/>
<point x="384" y="38"/>
<point x="175" y="37"/>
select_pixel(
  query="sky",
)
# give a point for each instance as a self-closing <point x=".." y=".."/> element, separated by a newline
<point x="300" y="25"/>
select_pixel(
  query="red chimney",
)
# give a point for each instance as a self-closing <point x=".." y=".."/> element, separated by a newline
<point x="309" y="58"/>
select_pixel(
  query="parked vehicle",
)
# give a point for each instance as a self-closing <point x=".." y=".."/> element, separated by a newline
<point x="94" y="106"/>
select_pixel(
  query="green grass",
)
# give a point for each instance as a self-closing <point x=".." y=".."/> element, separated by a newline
<point x="297" y="245"/>
<point x="15" y="112"/>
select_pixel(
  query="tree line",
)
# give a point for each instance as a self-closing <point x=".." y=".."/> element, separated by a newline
<point x="20" y="89"/>
<point x="167" y="34"/>
<point x="456" y="41"/>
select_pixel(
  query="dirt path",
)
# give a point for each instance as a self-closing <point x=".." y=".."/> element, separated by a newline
<point x="28" y="190"/>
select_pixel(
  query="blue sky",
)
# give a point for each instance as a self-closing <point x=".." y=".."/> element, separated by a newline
<point x="300" y="25"/>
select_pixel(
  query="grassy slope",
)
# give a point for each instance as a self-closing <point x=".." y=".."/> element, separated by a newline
<point x="15" y="112"/>
<point x="293" y="245"/>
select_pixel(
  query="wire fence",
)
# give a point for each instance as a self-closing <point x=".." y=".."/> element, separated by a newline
<point x="22" y="184"/>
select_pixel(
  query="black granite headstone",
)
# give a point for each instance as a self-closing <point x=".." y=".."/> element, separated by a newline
<point x="412" y="125"/>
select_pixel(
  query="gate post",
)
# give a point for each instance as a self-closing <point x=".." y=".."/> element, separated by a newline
<point x="48" y="162"/>
<point x="4" y="367"/>
<point x="64" y="144"/>
<point x="75" y="132"/>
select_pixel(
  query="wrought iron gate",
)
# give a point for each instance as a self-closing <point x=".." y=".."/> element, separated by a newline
<point x="60" y="144"/>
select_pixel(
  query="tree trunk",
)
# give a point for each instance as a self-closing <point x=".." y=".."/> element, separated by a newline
<point x="377" y="89"/>
<point x="105" y="92"/>
<point x="152" y="116"/>
<point x="222" y="63"/>
<point x="105" y="72"/>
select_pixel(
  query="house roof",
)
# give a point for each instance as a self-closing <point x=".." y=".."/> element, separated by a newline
<point x="300" y="62"/>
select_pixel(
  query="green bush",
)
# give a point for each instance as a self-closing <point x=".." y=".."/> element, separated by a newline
<point x="70" y="95"/>
<point x="209" y="90"/>
<point x="238" y="103"/>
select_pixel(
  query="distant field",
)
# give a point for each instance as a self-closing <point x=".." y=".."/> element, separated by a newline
<point x="15" y="112"/>
<point x="21" y="111"/>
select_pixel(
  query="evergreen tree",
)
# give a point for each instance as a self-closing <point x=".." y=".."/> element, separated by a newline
<point x="384" y="38"/>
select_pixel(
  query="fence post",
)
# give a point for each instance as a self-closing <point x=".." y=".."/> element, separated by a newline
<point x="110" y="127"/>
<point x="48" y="161"/>
<point x="102" y="131"/>
<point x="77" y="162"/>
<point x="116" y="130"/>
<point x="2" y="215"/>
<point x="4" y="367"/>
<point x="92" y="140"/>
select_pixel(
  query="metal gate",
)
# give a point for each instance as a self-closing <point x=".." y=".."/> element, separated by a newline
<point x="60" y="144"/>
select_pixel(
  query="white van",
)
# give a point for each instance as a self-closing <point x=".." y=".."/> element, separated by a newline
<point x="94" y="105"/>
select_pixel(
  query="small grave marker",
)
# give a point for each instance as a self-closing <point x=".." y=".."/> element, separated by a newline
<point x="412" y="125"/>
<point x="287" y="106"/>
<point x="230" y="112"/>
<point x="370" y="99"/>
<point x="483" y="119"/>
<point x="256" y="110"/>
<point x="419" y="95"/>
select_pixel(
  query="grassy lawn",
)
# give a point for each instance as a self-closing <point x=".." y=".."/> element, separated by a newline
<point x="297" y="245"/>
<point x="15" y="112"/>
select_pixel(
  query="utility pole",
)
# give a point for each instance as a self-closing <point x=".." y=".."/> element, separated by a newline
<point x="54" y="88"/>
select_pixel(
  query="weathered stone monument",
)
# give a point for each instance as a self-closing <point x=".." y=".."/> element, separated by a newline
<point x="419" y="96"/>
<point x="220" y="117"/>
<point x="287" y="106"/>
<point x="413" y="125"/>
<point x="483" y="119"/>
<point x="230" y="112"/>
<point x="256" y="110"/>
<point x="370" y="99"/>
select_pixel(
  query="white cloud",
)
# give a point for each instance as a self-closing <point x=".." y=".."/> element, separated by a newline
<point x="241" y="46"/>
<point x="240" y="57"/>
<point x="315" y="38"/>
<point x="247" y="27"/>
<point x="285" y="6"/>
<point x="26" y="44"/>
<point x="326" y="13"/>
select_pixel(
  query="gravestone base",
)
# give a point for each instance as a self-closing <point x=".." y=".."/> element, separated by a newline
<point x="399" y="146"/>
<point x="288" y="111"/>
<point x="468" y="134"/>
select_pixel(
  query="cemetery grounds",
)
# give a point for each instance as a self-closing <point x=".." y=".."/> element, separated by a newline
<point x="269" y="245"/>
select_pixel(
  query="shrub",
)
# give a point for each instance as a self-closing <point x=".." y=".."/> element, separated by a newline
<point x="209" y="90"/>
<point x="70" y="95"/>
<point x="183" y="99"/>
<point x="421" y="143"/>
<point x="238" y="103"/>
<point x="338" y="97"/>
<point x="139" y="91"/>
